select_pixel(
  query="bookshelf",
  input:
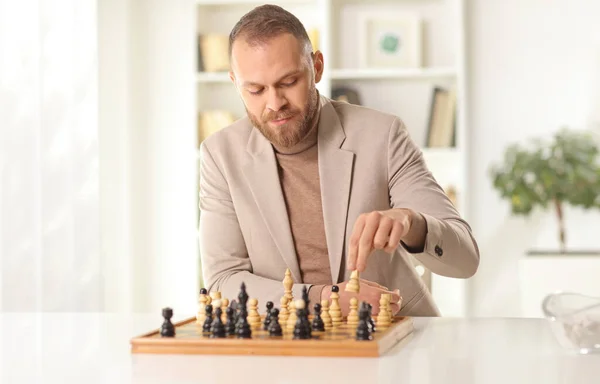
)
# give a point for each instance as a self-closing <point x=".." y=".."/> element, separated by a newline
<point x="405" y="90"/>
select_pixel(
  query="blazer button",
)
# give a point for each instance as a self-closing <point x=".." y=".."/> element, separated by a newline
<point x="438" y="250"/>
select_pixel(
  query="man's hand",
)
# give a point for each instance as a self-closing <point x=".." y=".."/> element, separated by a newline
<point x="369" y="292"/>
<point x="384" y="230"/>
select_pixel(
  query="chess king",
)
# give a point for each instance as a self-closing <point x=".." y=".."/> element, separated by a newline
<point x="321" y="187"/>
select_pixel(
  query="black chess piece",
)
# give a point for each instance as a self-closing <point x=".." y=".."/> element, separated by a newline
<point x="268" y="315"/>
<point x="230" y="324"/>
<point x="301" y="330"/>
<point x="209" y="318"/>
<point x="363" y="330"/>
<point x="317" y="323"/>
<point x="370" y="318"/>
<point x="167" y="329"/>
<point x="274" y="326"/>
<point x="335" y="288"/>
<point x="306" y="300"/>
<point x="243" y="330"/>
<point x="217" y="328"/>
<point x="203" y="291"/>
<point x="243" y="296"/>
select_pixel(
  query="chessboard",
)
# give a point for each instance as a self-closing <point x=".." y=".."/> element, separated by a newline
<point x="336" y="341"/>
<point x="294" y="329"/>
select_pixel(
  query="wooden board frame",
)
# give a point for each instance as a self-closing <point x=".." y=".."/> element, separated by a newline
<point x="383" y="341"/>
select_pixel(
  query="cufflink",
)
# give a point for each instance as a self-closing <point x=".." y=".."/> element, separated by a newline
<point x="438" y="250"/>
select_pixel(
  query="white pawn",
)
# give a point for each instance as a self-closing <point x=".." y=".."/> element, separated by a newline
<point x="325" y="314"/>
<point x="224" y="305"/>
<point x="253" y="315"/>
<point x="383" y="318"/>
<point x="334" y="310"/>
<point x="201" y="315"/>
<point x="353" y="315"/>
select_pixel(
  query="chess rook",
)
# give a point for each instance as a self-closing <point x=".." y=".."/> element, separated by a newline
<point x="167" y="329"/>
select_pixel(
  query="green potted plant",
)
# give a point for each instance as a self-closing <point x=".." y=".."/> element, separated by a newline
<point x="550" y="175"/>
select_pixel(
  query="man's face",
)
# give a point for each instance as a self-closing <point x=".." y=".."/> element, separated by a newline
<point x="277" y="81"/>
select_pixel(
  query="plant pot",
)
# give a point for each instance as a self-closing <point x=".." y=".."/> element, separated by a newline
<point x="542" y="273"/>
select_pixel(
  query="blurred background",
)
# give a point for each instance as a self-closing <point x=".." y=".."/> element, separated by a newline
<point x="103" y="105"/>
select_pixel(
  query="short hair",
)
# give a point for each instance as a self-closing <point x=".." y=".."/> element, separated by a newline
<point x="266" y="22"/>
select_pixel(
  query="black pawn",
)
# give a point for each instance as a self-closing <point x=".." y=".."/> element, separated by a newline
<point x="217" y="328"/>
<point x="363" y="330"/>
<point x="203" y="291"/>
<point x="268" y="315"/>
<point x="370" y="318"/>
<point x="167" y="329"/>
<point x="208" y="322"/>
<point x="230" y="324"/>
<point x="274" y="326"/>
<point x="301" y="330"/>
<point x="317" y="323"/>
<point x="335" y="288"/>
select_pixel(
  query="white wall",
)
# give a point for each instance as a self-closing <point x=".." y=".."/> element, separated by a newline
<point x="534" y="65"/>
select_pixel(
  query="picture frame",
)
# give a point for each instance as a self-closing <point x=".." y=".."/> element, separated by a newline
<point x="390" y="40"/>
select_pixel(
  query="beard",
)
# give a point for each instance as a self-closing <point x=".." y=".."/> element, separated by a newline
<point x="292" y="132"/>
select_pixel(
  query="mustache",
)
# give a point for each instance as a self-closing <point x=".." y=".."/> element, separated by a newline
<point x="278" y="115"/>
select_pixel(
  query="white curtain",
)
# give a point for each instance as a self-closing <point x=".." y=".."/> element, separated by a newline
<point x="49" y="195"/>
<point x="98" y="173"/>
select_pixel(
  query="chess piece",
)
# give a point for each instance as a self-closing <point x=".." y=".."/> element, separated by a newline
<point x="167" y="328"/>
<point x="293" y="316"/>
<point x="274" y="326"/>
<point x="334" y="310"/>
<point x="370" y="318"/>
<point x="224" y="305"/>
<point x="209" y="318"/>
<point x="325" y="314"/>
<point x="202" y="302"/>
<point x="268" y="315"/>
<point x="243" y="330"/>
<point x="301" y="327"/>
<point x="317" y="323"/>
<point x="363" y="331"/>
<point x="306" y="300"/>
<point x="230" y="324"/>
<point x="288" y="283"/>
<point x="353" y="285"/>
<point x="383" y="318"/>
<point x="353" y="314"/>
<point x="217" y="328"/>
<point x="283" y="312"/>
<point x="253" y="315"/>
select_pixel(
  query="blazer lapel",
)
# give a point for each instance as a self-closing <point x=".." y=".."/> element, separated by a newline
<point x="262" y="174"/>
<point x="335" y="169"/>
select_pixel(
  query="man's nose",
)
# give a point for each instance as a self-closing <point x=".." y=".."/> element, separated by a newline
<point x="276" y="99"/>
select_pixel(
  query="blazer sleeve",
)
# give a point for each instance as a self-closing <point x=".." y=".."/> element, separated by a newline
<point x="224" y="257"/>
<point x="450" y="248"/>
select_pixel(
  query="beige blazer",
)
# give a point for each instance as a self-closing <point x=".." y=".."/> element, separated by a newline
<point x="367" y="162"/>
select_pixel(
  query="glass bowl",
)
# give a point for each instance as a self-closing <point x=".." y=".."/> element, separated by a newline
<point x="575" y="320"/>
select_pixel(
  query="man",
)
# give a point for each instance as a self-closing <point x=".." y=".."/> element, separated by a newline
<point x="318" y="186"/>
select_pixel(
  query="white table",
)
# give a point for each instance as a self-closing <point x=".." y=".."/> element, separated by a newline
<point x="94" y="348"/>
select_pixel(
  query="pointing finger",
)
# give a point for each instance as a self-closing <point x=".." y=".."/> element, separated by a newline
<point x="365" y="244"/>
<point x="354" y="242"/>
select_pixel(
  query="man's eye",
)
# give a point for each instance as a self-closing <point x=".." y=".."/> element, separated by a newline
<point x="290" y="83"/>
<point x="255" y="92"/>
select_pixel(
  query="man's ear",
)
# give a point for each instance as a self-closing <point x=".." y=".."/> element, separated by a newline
<point x="318" y="64"/>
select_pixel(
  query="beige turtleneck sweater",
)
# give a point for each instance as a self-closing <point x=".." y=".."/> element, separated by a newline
<point x="299" y="177"/>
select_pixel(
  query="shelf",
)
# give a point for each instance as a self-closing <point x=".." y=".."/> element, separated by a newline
<point x="212" y="77"/>
<point x="416" y="73"/>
